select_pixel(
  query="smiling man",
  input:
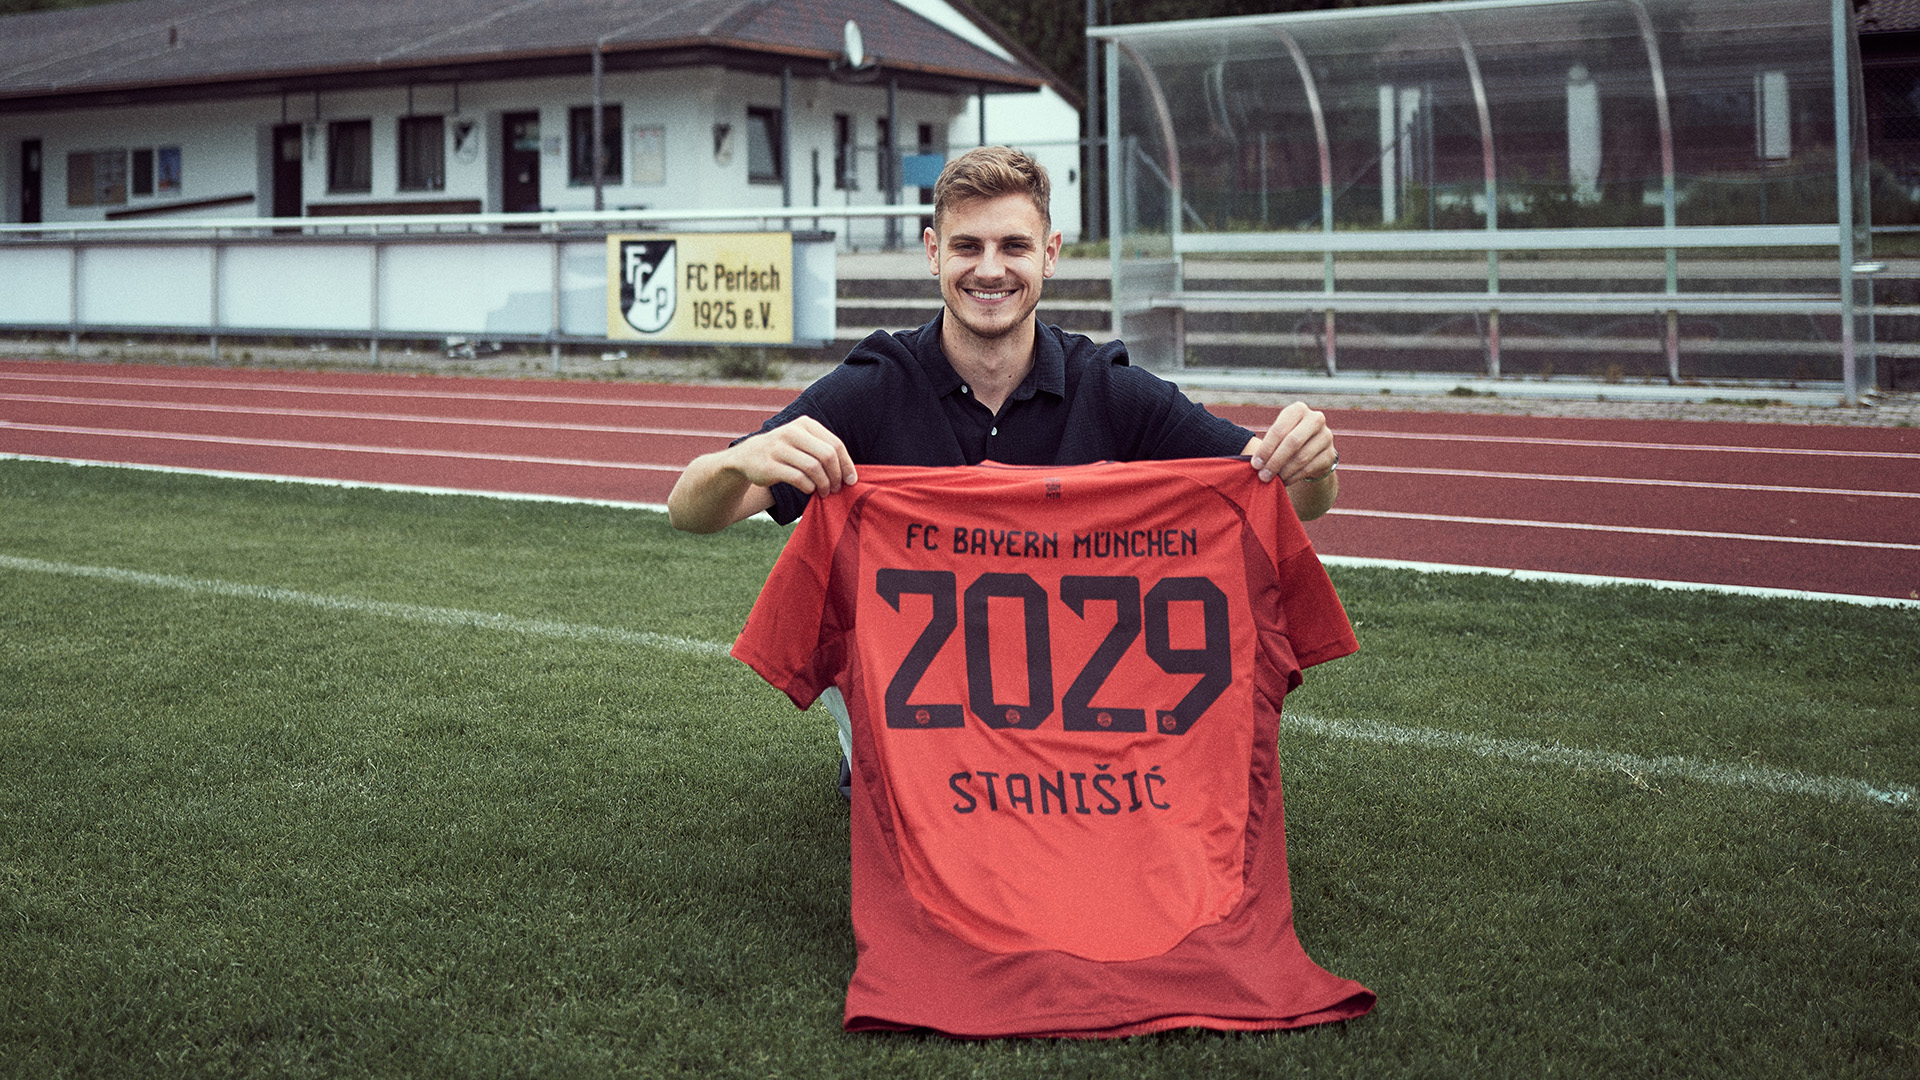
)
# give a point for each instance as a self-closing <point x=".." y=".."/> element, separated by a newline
<point x="985" y="381"/>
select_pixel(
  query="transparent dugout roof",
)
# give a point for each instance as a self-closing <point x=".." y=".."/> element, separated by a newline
<point x="1577" y="113"/>
<point x="1669" y="189"/>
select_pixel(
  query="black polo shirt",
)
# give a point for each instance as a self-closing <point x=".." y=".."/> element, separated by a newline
<point x="896" y="400"/>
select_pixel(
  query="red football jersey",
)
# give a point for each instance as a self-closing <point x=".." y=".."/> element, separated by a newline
<point x="1065" y="686"/>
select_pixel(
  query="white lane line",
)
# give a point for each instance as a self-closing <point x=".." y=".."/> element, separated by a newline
<point x="1836" y="789"/>
<point x="619" y="429"/>
<point x="1633" y="530"/>
<point x="1484" y="474"/>
<point x="417" y="613"/>
<point x="1780" y="781"/>
<point x="1610" y="444"/>
<point x="383" y="392"/>
<point x="1597" y="580"/>
<point x="337" y="414"/>
<point x="345" y="448"/>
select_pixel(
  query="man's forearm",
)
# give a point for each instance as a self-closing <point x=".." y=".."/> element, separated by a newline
<point x="731" y="485"/>
<point x="713" y="494"/>
<point x="1312" y="498"/>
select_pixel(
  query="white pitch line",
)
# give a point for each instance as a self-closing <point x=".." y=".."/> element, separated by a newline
<point x="340" y="414"/>
<point x="1635" y="530"/>
<point x="345" y="448"/>
<point x="327" y="481"/>
<point x="1563" y="478"/>
<point x="432" y="616"/>
<point x="1781" y="781"/>
<point x="382" y="392"/>
<point x="1608" y="444"/>
<point x="1836" y="789"/>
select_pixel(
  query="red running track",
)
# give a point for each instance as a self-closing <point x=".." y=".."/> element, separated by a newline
<point x="1817" y="509"/>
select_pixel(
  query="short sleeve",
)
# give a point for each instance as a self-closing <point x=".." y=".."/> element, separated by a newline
<point x="788" y="633"/>
<point x="1160" y="423"/>
<point x="1316" y="623"/>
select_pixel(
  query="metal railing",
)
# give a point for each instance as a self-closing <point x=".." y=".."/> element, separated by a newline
<point x="523" y="278"/>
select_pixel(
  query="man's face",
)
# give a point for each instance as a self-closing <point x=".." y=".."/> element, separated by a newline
<point x="991" y="256"/>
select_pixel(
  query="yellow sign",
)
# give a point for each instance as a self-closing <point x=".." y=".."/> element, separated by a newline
<point x="723" y="288"/>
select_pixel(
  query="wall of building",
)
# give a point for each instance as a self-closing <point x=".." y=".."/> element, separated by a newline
<point x="672" y="152"/>
<point x="215" y="144"/>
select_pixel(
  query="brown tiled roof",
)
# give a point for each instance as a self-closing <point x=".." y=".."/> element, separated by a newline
<point x="159" y="48"/>
<point x="1882" y="16"/>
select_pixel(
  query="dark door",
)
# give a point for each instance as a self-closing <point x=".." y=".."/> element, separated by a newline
<point x="520" y="162"/>
<point x="288" y="146"/>
<point x="30" y="181"/>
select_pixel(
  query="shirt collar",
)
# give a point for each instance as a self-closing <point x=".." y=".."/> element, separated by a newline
<point x="1048" y="374"/>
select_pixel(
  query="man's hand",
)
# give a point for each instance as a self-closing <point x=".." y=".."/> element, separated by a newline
<point x="1297" y="450"/>
<point x="730" y="485"/>
<point x="800" y="452"/>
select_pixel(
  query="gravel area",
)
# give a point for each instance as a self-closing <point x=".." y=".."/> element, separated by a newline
<point x="1899" y="409"/>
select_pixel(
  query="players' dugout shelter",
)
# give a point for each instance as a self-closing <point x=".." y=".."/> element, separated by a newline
<point x="1660" y="191"/>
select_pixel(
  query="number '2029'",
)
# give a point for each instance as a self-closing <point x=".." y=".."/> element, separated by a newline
<point x="1135" y="614"/>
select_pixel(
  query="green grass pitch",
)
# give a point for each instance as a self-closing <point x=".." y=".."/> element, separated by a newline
<point x="308" y="781"/>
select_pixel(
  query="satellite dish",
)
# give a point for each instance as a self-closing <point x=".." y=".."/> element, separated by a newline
<point x="856" y="47"/>
<point x="854" y="65"/>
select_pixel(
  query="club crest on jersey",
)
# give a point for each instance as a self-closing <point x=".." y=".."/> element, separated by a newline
<point x="649" y="272"/>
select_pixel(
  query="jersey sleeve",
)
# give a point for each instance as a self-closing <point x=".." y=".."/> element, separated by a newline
<point x="1315" y="622"/>
<point x="791" y="637"/>
<point x="1317" y="625"/>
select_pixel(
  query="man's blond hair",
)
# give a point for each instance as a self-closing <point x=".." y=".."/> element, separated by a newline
<point x="989" y="172"/>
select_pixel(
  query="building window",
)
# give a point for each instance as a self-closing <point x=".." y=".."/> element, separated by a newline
<point x="766" y="163"/>
<point x="423" y="153"/>
<point x="580" y="145"/>
<point x="844" y="176"/>
<point x="97" y="178"/>
<point x="168" y="181"/>
<point x="143" y="171"/>
<point x="350" y="156"/>
<point x="886" y="154"/>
